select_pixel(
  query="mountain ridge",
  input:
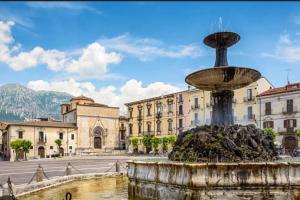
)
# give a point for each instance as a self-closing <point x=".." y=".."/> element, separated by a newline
<point x="18" y="102"/>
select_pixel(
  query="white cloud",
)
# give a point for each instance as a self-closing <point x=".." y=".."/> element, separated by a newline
<point x="284" y="39"/>
<point x="74" y="6"/>
<point x="286" y="50"/>
<point x="132" y="90"/>
<point x="147" y="49"/>
<point x="91" y="63"/>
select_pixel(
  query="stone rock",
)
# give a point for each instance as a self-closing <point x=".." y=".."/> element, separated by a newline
<point x="223" y="144"/>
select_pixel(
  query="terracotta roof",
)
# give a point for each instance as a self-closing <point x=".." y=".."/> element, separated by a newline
<point x="81" y="97"/>
<point x="280" y="90"/>
<point x="94" y="104"/>
<point x="45" y="124"/>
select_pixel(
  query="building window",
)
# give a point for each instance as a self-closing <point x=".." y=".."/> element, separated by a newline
<point x="130" y="129"/>
<point x="180" y="123"/>
<point x="149" y="109"/>
<point x="290" y="123"/>
<point x="180" y="98"/>
<point x="130" y="112"/>
<point x="180" y="110"/>
<point x="250" y="115"/>
<point x="72" y="137"/>
<point x="20" y="134"/>
<point x="289" y="105"/>
<point x="249" y="94"/>
<point x="158" y="126"/>
<point x="158" y="107"/>
<point x="51" y="147"/>
<point x="268" y="108"/>
<point x="61" y="136"/>
<point x="196" y="118"/>
<point x="70" y="147"/>
<point x="122" y="135"/>
<point x="140" y="128"/>
<point x="170" y="126"/>
<point x="196" y="103"/>
<point x="170" y="107"/>
<point x="268" y="124"/>
<point x="149" y="126"/>
<point x="41" y="136"/>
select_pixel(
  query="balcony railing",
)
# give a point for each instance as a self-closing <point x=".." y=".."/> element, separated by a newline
<point x="209" y="105"/>
<point x="289" y="111"/>
<point x="249" y="117"/>
<point x="249" y="99"/>
<point x="180" y="100"/>
<point x="158" y="115"/>
<point x="195" y="122"/>
<point x="194" y="107"/>
<point x="140" y="117"/>
<point x="148" y="133"/>
<point x="41" y="142"/>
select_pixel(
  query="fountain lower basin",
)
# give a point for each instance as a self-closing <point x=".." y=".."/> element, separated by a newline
<point x="173" y="180"/>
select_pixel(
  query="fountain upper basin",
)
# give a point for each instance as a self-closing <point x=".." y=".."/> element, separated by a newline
<point x="223" y="78"/>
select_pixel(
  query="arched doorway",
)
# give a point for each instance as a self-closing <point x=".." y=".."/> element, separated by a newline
<point x="98" y="134"/>
<point x="41" y="152"/>
<point x="21" y="155"/>
<point x="290" y="144"/>
<point x="61" y="151"/>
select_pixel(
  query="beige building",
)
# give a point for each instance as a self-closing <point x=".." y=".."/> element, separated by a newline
<point x="87" y="128"/>
<point x="173" y="113"/>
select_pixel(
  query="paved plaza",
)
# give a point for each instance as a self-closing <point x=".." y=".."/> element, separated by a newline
<point x="22" y="172"/>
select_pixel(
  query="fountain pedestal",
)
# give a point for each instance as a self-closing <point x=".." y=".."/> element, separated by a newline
<point x="222" y="108"/>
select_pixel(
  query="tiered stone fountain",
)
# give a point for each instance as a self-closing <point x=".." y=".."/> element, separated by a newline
<point x="220" y="161"/>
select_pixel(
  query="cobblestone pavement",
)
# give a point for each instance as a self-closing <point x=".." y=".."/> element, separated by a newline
<point x="22" y="172"/>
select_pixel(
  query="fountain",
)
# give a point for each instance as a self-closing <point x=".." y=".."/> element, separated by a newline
<point x="221" y="160"/>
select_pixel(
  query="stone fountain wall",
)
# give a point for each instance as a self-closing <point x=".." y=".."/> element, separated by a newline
<point x="170" y="180"/>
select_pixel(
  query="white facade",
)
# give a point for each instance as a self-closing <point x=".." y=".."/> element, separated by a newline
<point x="279" y="110"/>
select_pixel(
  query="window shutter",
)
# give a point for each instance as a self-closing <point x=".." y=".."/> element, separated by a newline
<point x="294" y="122"/>
<point x="272" y="124"/>
<point x="285" y="123"/>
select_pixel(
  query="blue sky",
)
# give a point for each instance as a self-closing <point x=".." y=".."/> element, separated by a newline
<point x="105" y="46"/>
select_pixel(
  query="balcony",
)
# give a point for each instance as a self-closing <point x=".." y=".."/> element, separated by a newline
<point x="209" y="105"/>
<point x="249" y="99"/>
<point x="195" y="107"/>
<point x="289" y="110"/>
<point x="140" y="117"/>
<point x="195" y="123"/>
<point x="158" y="115"/>
<point x="41" y="142"/>
<point x="180" y="101"/>
<point x="180" y="113"/>
<point x="148" y="133"/>
<point x="249" y="117"/>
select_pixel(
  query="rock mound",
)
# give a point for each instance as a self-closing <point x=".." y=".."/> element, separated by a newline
<point x="224" y="144"/>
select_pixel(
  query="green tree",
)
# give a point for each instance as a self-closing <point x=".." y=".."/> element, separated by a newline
<point x="26" y="144"/>
<point x="135" y="142"/>
<point x="172" y="140"/>
<point x="17" y="146"/>
<point x="155" y="143"/>
<point x="298" y="133"/>
<point x="271" y="132"/>
<point x="147" y="143"/>
<point x="58" y="142"/>
<point x="165" y="142"/>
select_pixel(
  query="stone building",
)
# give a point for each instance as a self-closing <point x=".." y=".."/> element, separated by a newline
<point x="87" y="128"/>
<point x="279" y="108"/>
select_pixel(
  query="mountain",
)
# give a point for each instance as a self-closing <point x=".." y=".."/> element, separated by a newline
<point x="18" y="102"/>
